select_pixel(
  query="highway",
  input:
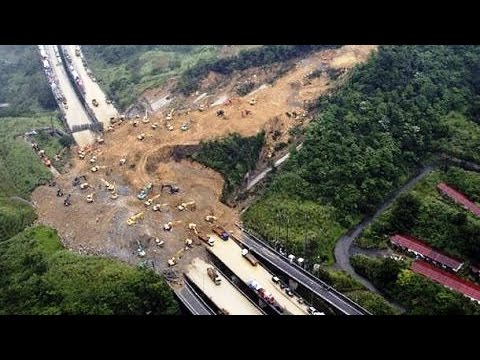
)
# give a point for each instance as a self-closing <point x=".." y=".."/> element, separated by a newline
<point x="321" y="289"/>
<point x="75" y="113"/>
<point x="230" y="254"/>
<point x="103" y="111"/>
<point x="192" y="301"/>
<point x="224" y="295"/>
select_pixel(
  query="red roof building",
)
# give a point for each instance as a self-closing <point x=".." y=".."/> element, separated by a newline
<point x="424" y="251"/>
<point x="447" y="279"/>
<point x="459" y="198"/>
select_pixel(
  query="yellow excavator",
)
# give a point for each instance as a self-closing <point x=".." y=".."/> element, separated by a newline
<point x="134" y="219"/>
<point x="187" y="206"/>
<point x="150" y="200"/>
<point x="210" y="218"/>
<point x="90" y="198"/>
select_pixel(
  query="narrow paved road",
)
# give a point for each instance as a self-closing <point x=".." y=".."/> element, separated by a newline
<point x="343" y="246"/>
<point x="192" y="301"/>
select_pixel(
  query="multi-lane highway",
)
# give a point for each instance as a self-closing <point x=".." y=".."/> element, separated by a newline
<point x="321" y="289"/>
<point x="192" y="301"/>
<point x="103" y="111"/>
<point x="74" y="111"/>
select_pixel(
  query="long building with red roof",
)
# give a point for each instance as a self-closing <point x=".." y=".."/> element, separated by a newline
<point x="422" y="250"/>
<point x="459" y="198"/>
<point x="451" y="281"/>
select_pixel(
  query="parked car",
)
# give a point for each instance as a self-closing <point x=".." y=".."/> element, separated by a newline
<point x="95" y="102"/>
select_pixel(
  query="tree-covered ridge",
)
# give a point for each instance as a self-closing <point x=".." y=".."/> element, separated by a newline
<point x="380" y="126"/>
<point x="37" y="276"/>
<point x="23" y="84"/>
<point x="265" y="55"/>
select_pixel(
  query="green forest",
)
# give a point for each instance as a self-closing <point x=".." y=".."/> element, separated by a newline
<point x="394" y="113"/>
<point x="23" y="84"/>
<point x="39" y="277"/>
<point x="232" y="156"/>
<point x="126" y="71"/>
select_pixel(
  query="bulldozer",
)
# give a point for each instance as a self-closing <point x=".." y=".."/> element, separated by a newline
<point x="210" y="218"/>
<point x="173" y="189"/>
<point x="145" y="191"/>
<point x="187" y="206"/>
<point x="134" y="218"/>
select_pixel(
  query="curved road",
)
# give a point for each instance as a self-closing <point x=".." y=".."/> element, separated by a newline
<point x="343" y="246"/>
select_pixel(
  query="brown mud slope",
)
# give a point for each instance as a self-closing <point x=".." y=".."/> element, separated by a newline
<point x="100" y="227"/>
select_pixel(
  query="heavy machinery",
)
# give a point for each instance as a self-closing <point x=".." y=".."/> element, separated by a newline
<point x="252" y="101"/>
<point x="135" y="123"/>
<point x="77" y="180"/>
<point x="114" y="196"/>
<point x="193" y="227"/>
<point x="52" y="183"/>
<point x="123" y="161"/>
<point x="184" y="127"/>
<point x="159" y="243"/>
<point x="95" y="102"/>
<point x="168" y="226"/>
<point x="221" y="113"/>
<point x="158" y="207"/>
<point x="96" y="168"/>
<point x="210" y="218"/>
<point x="59" y="192"/>
<point x="67" y="201"/>
<point x="145" y="191"/>
<point x="206" y="239"/>
<point x="141" y="136"/>
<point x="246" y="254"/>
<point x="109" y="186"/>
<point x="84" y="186"/>
<point x="154" y="126"/>
<point x="187" y="206"/>
<point x="100" y="140"/>
<point x="169" y="127"/>
<point x="213" y="274"/>
<point x="188" y="243"/>
<point x="173" y="189"/>
<point x="220" y="231"/>
<point x="134" y="218"/>
<point x="90" y="198"/>
<point x="150" y="201"/>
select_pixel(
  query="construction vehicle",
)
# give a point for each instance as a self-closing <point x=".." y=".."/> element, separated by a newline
<point x="123" y="161"/>
<point x="188" y="243"/>
<point x="52" y="183"/>
<point x="246" y="254"/>
<point x="184" y="127"/>
<point x="134" y="218"/>
<point x="206" y="239"/>
<point x="135" y="123"/>
<point x="150" y="201"/>
<point x="145" y="191"/>
<point x="193" y="227"/>
<point x="84" y="186"/>
<point x="67" y="201"/>
<point x="221" y="232"/>
<point x="221" y="113"/>
<point x="47" y="162"/>
<point x="210" y="218"/>
<point x="167" y="226"/>
<point x="93" y="160"/>
<point x="59" y="193"/>
<point x="252" y="101"/>
<point x="172" y="262"/>
<point x="159" y="243"/>
<point x="173" y="189"/>
<point x="77" y="50"/>
<point x="169" y="127"/>
<point x="77" y="179"/>
<point x="100" y="140"/>
<point x="201" y="108"/>
<point x="95" y="102"/>
<point x="110" y="129"/>
<point x="213" y="274"/>
<point x="81" y="155"/>
<point x="158" y="207"/>
<point x="141" y="136"/>
<point x="187" y="206"/>
<point x="154" y="126"/>
<point x="145" y="120"/>
<point x="90" y="198"/>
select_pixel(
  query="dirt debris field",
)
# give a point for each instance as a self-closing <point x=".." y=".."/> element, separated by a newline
<point x="101" y="227"/>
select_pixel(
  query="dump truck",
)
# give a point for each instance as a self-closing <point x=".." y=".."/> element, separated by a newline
<point x="173" y="189"/>
<point x="213" y="274"/>
<point x="145" y="191"/>
<point x="206" y="239"/>
<point x="220" y="231"/>
<point x="246" y="254"/>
